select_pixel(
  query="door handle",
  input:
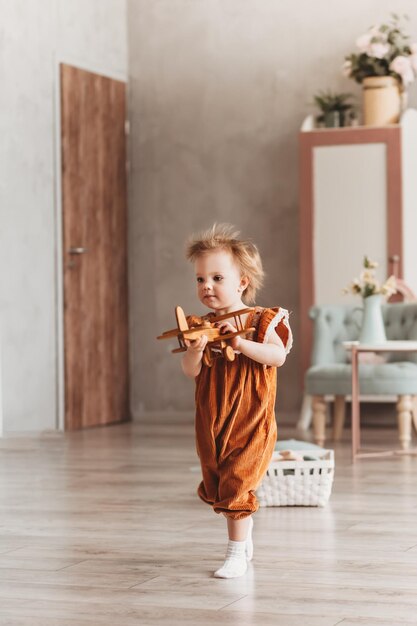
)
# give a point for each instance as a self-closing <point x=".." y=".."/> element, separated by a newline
<point x="394" y="259"/>
<point x="77" y="251"/>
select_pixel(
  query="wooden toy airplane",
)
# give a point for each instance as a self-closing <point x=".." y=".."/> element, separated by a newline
<point x="216" y="341"/>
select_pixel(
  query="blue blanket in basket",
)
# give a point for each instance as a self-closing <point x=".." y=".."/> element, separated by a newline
<point x="294" y="444"/>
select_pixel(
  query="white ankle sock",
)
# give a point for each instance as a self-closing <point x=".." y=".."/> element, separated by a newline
<point x="235" y="564"/>
<point x="249" y="542"/>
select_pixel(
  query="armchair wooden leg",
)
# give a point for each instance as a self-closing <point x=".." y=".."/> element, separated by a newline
<point x="404" y="413"/>
<point x="414" y="411"/>
<point x="319" y="419"/>
<point x="305" y="414"/>
<point x="339" y="417"/>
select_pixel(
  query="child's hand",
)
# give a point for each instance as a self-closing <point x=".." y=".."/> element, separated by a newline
<point x="192" y="359"/>
<point x="196" y="346"/>
<point x="227" y="327"/>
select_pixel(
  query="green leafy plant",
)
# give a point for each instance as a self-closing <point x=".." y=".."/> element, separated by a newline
<point x="384" y="50"/>
<point x="328" y="102"/>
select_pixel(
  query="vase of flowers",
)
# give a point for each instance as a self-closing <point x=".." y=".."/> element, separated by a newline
<point x="385" y="64"/>
<point x="373" y="292"/>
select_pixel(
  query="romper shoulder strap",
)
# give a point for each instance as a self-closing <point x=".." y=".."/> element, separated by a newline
<point x="255" y="322"/>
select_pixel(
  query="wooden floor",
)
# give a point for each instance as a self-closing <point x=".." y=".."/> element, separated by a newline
<point x="103" y="527"/>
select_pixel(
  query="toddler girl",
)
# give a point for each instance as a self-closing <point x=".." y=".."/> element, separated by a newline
<point x="235" y="421"/>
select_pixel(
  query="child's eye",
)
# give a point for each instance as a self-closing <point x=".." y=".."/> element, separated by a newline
<point x="218" y="278"/>
<point x="199" y="279"/>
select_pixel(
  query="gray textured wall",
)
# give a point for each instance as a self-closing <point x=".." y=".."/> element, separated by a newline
<point x="219" y="89"/>
<point x="35" y="35"/>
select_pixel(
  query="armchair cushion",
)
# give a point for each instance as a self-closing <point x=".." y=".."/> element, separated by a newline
<point x="387" y="379"/>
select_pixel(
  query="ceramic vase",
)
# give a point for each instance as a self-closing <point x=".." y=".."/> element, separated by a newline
<point x="382" y="101"/>
<point x="372" y="329"/>
<point x="334" y="119"/>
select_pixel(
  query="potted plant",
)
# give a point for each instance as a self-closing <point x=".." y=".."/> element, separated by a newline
<point x="385" y="64"/>
<point x="335" y="108"/>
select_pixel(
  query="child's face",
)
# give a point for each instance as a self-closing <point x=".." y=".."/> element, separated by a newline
<point x="219" y="282"/>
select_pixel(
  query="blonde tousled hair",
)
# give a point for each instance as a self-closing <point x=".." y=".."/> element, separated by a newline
<point x="244" y="252"/>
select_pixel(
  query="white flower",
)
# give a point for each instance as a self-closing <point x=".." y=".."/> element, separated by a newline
<point x="401" y="65"/>
<point x="363" y="42"/>
<point x="347" y="68"/>
<point x="373" y="43"/>
<point x="367" y="283"/>
<point x="368" y="276"/>
<point x="413" y="61"/>
<point x="353" y="287"/>
<point x="378" y="49"/>
<point x="375" y="32"/>
<point x="369" y="264"/>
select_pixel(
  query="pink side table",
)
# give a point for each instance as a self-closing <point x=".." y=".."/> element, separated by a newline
<point x="355" y="348"/>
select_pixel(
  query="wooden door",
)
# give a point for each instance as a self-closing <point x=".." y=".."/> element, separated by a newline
<point x="94" y="192"/>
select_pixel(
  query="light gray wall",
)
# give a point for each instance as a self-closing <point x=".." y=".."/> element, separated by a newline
<point x="219" y="89"/>
<point x="35" y="35"/>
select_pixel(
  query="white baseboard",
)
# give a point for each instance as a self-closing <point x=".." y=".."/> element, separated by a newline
<point x="287" y="418"/>
<point x="168" y="415"/>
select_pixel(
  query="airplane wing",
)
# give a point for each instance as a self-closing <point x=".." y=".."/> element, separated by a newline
<point x="194" y="333"/>
<point x="229" y="315"/>
<point x="170" y="333"/>
<point x="212" y="333"/>
<point x="231" y="335"/>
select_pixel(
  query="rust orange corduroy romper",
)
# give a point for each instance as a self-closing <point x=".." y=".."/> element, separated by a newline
<point x="235" y="421"/>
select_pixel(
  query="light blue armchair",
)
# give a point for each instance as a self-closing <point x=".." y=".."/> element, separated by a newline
<point x="330" y="372"/>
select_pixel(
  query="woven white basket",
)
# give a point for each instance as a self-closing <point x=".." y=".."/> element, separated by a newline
<point x="298" y="483"/>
